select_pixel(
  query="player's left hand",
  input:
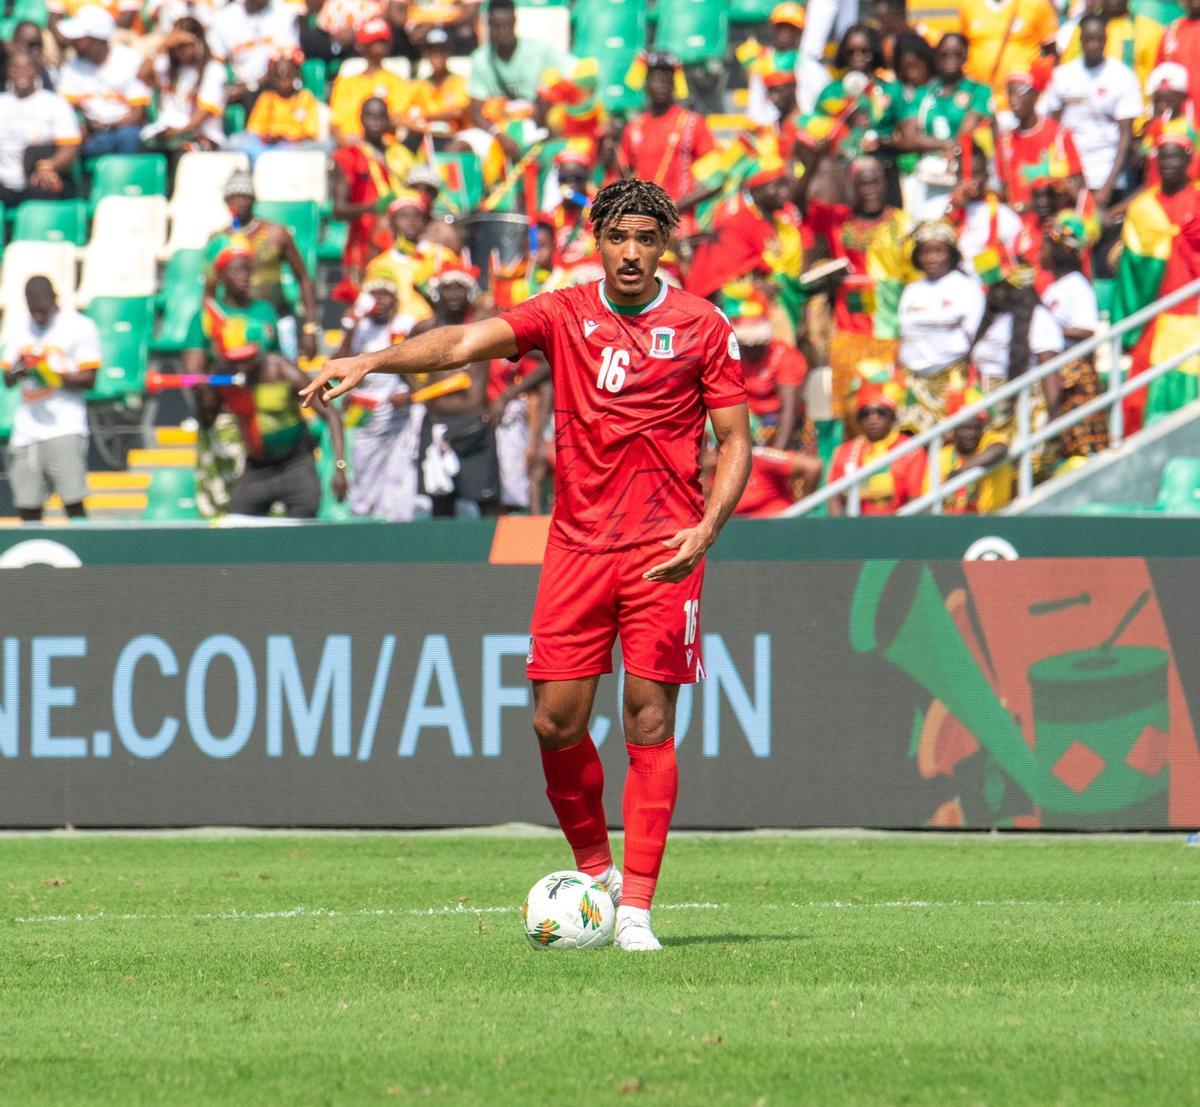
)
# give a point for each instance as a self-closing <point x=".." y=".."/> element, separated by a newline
<point x="692" y="544"/>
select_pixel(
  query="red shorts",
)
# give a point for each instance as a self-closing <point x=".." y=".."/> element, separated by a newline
<point x="585" y="600"/>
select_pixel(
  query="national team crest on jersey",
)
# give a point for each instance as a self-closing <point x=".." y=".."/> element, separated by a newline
<point x="662" y="342"/>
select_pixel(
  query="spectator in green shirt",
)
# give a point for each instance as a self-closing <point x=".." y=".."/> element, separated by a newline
<point x="913" y="64"/>
<point x="953" y="105"/>
<point x="507" y="68"/>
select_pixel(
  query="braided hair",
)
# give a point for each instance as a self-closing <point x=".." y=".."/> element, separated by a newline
<point x="632" y="196"/>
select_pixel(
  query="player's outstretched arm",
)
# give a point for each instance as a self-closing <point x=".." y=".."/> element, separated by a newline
<point x="444" y="348"/>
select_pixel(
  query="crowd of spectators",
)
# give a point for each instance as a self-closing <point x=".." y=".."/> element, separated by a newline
<point x="926" y="209"/>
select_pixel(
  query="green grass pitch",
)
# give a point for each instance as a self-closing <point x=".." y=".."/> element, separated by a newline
<point x="391" y="968"/>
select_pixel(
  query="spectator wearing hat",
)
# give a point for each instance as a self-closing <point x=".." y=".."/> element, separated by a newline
<point x="245" y="36"/>
<point x="1181" y="43"/>
<point x="787" y="27"/>
<point x="39" y="138"/>
<point x="1071" y="299"/>
<point x="458" y="460"/>
<point x="506" y="72"/>
<point x="387" y="427"/>
<point x="875" y="405"/>
<point x="1035" y="149"/>
<point x="973" y="445"/>
<point x="101" y="81"/>
<point x="407" y="256"/>
<point x="444" y="94"/>
<point x="1097" y="99"/>
<point x="189" y="90"/>
<point x="369" y="172"/>
<point x="279" y="448"/>
<point x="575" y="252"/>
<point x="1133" y="40"/>
<point x="1170" y="110"/>
<point x="404" y="99"/>
<point x="124" y="13"/>
<point x="1161" y="254"/>
<point x="424" y="180"/>
<point x="663" y="143"/>
<point x="939" y="316"/>
<point x="52" y="354"/>
<point x="272" y="247"/>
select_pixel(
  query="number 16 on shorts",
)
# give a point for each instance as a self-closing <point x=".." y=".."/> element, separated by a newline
<point x="691" y="628"/>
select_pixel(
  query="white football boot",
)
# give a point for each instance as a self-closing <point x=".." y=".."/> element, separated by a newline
<point x="611" y="879"/>
<point x="633" y="930"/>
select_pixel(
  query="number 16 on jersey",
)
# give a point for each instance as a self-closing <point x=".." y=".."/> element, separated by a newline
<point x="613" y="364"/>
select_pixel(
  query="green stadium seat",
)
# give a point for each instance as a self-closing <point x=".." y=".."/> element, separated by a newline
<point x="181" y="297"/>
<point x="1179" y="490"/>
<point x="51" y="221"/>
<point x="314" y="74"/>
<point x="693" y="30"/>
<point x="9" y="399"/>
<point x="612" y="33"/>
<point x="234" y="119"/>
<point x="301" y="219"/>
<point x="128" y="175"/>
<point x="750" y="11"/>
<point x="172" y="494"/>
<point x="125" y="323"/>
<point x="332" y="243"/>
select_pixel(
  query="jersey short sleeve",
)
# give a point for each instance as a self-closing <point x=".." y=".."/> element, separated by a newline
<point x="721" y="381"/>
<point x="532" y="322"/>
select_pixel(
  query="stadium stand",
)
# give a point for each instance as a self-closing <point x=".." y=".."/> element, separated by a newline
<point x="820" y="164"/>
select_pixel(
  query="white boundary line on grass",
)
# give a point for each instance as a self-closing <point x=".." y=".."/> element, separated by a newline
<point x="464" y="909"/>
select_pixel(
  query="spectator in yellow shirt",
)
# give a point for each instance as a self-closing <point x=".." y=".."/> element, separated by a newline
<point x="1006" y="36"/>
<point x="405" y="99"/>
<point x="286" y="115"/>
<point x="445" y="98"/>
<point x="973" y="446"/>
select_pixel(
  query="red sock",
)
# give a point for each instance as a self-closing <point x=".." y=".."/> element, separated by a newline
<point x="575" y="788"/>
<point x="650" y="790"/>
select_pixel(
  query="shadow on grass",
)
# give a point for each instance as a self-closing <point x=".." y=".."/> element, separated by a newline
<point x="730" y="939"/>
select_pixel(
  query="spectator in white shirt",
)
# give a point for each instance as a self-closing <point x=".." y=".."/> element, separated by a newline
<point x="1097" y="99"/>
<point x="246" y="35"/>
<point x="938" y="317"/>
<point x="27" y="39"/>
<point x="102" y="82"/>
<point x="39" y="138"/>
<point x="787" y="25"/>
<point x="53" y="354"/>
<point x="190" y="90"/>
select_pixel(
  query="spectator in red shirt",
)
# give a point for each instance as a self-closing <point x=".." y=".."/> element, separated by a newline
<point x="662" y="143"/>
<point x="774" y="373"/>
<point x="778" y="478"/>
<point x="1181" y="44"/>
<point x="1036" y="149"/>
<point x="888" y="491"/>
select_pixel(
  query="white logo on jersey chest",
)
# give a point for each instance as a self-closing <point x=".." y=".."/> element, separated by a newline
<point x="589" y="325"/>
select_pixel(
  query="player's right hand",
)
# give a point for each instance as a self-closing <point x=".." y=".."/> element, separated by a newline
<point x="346" y="371"/>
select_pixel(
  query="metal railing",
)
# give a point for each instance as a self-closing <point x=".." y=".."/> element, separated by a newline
<point x="1021" y="449"/>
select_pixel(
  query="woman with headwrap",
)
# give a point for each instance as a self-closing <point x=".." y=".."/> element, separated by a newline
<point x="939" y="317"/>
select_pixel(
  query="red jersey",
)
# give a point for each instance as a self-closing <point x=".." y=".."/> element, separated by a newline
<point x="783" y="364"/>
<point x="769" y="489"/>
<point x="631" y="393"/>
<point x="663" y="148"/>
<point x="1045" y="151"/>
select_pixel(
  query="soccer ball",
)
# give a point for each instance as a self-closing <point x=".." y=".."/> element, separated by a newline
<point x="568" y="910"/>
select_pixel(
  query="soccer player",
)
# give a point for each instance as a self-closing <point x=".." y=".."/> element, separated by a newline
<point x="638" y="367"/>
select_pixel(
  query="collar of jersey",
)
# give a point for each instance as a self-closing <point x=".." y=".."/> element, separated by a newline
<point x="640" y="309"/>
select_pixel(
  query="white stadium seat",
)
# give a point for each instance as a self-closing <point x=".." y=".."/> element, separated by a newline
<point x="292" y="175"/>
<point x="120" y="220"/>
<point x="197" y="206"/>
<point x="129" y="271"/>
<point x="23" y="260"/>
<point x="352" y="67"/>
<point x="552" y="25"/>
